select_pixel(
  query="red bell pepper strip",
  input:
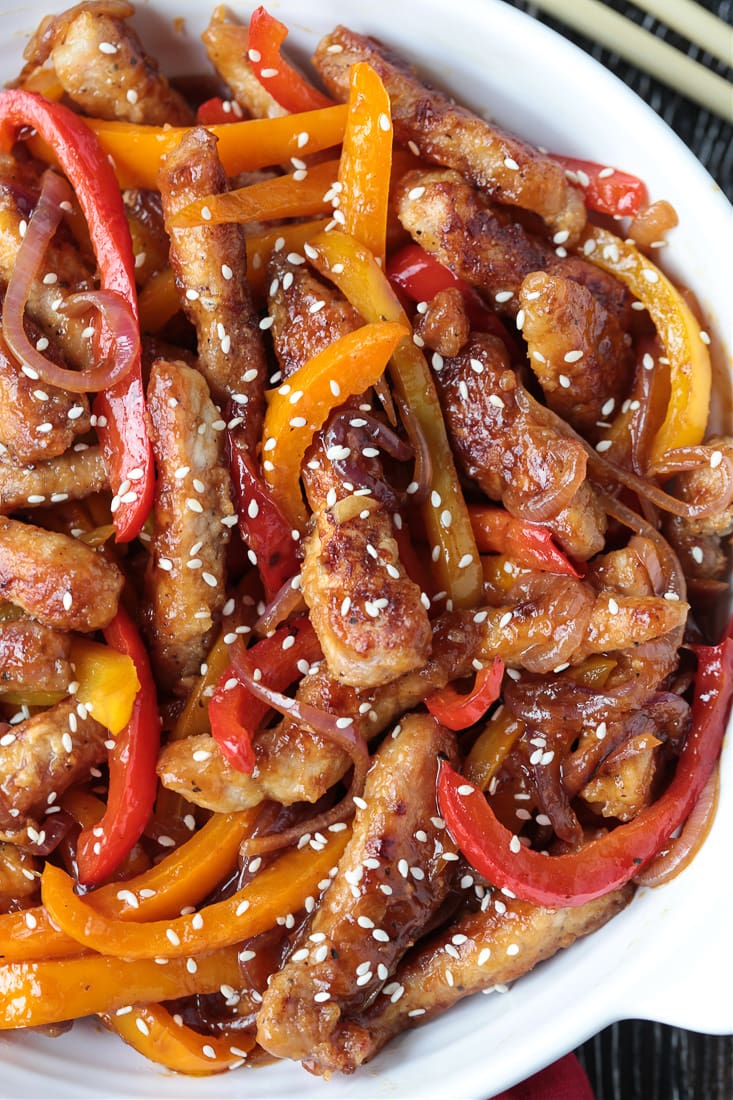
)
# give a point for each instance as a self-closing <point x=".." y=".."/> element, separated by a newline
<point x="120" y="410"/>
<point x="457" y="711"/>
<point x="606" y="190"/>
<point x="216" y="111"/>
<point x="417" y="275"/>
<point x="280" y="79"/>
<point x="528" y="544"/>
<point x="234" y="713"/>
<point x="614" y="859"/>
<point x="262" y="525"/>
<point x="132" y="780"/>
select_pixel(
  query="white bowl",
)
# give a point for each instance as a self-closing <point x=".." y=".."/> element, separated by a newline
<point x="668" y="956"/>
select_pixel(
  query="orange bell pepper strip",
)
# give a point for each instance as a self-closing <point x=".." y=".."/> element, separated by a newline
<point x="275" y="892"/>
<point x="297" y="409"/>
<point x="153" y="1032"/>
<point x="366" y="161"/>
<point x="690" y="373"/>
<point x="284" y="83"/>
<point x="137" y="150"/>
<point x="530" y="545"/>
<point x="260" y="246"/>
<point x="183" y="878"/>
<point x="158" y="301"/>
<point x="358" y="276"/>
<point x="33" y="994"/>
<point x="108" y="682"/>
<point x="289" y="196"/>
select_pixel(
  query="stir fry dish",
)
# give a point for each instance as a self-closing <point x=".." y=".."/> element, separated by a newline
<point x="361" y="545"/>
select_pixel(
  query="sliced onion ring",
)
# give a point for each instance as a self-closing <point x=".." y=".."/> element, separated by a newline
<point x="118" y="324"/>
<point x="286" y="602"/>
<point x="322" y="724"/>
<point x="683" y="849"/>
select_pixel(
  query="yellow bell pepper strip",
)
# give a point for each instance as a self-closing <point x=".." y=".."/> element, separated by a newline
<point x="183" y="878"/>
<point x="275" y="892"/>
<point x="301" y="406"/>
<point x="260" y="246"/>
<point x="690" y="373"/>
<point x="137" y="151"/>
<point x="158" y="301"/>
<point x="132" y="779"/>
<point x="33" y="994"/>
<point x="366" y="161"/>
<point x="107" y="682"/>
<point x="291" y="90"/>
<point x="491" y="747"/>
<point x="356" y="273"/>
<point x="120" y="410"/>
<point x="297" y="195"/>
<point x="153" y="1032"/>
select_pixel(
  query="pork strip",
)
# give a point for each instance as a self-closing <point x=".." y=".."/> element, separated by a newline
<point x="57" y="579"/>
<point x="185" y="581"/>
<point x="210" y="265"/>
<point x="443" y="213"/>
<point x="19" y="879"/>
<point x="71" y="476"/>
<point x="390" y="881"/>
<point x="479" y="951"/>
<point x="578" y="351"/>
<point x="49" y="753"/>
<point x="513" y="457"/>
<point x="292" y="764"/>
<point x="226" y="43"/>
<point x="103" y="68"/>
<point x="366" y="611"/>
<point x="507" y="168"/>
<point x="33" y="658"/>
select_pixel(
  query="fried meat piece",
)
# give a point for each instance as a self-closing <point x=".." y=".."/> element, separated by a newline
<point x="444" y="326"/>
<point x="185" y="582"/>
<point x="226" y="43"/>
<point x="56" y="579"/>
<point x="102" y="66"/>
<point x="504" y="166"/>
<point x="477" y="952"/>
<point x="49" y="752"/>
<point x="390" y="881"/>
<point x="442" y="212"/>
<point x="19" y="878"/>
<point x="555" y="621"/>
<point x="210" y="263"/>
<point x="37" y="421"/>
<point x="623" y="783"/>
<point x="33" y="658"/>
<point x="71" y="476"/>
<point x="366" y="611"/>
<point x="295" y="765"/>
<point x="577" y="350"/>
<point x="513" y="457"/>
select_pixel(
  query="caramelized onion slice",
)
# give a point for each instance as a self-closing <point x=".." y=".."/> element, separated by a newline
<point x="340" y="731"/>
<point x="682" y="849"/>
<point x="118" y="328"/>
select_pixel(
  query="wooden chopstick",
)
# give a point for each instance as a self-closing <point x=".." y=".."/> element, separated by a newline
<point x="701" y="27"/>
<point x="645" y="50"/>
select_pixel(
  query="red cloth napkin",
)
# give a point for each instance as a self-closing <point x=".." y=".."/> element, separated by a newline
<point x="564" y="1080"/>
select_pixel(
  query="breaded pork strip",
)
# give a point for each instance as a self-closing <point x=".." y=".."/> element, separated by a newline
<point x="502" y="165"/>
<point x="445" y="215"/>
<point x="56" y="579"/>
<point x="210" y="264"/>
<point x="185" y="582"/>
<point x="513" y="457"/>
<point x="48" y="753"/>
<point x="292" y="764"/>
<point x="71" y="476"/>
<point x="102" y="66"/>
<point x="578" y="351"/>
<point x="479" y="951"/>
<point x="33" y="657"/>
<point x="366" y="611"/>
<point x="390" y="881"/>
<point x="226" y="43"/>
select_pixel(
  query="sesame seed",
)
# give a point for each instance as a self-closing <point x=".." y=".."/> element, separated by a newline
<point x="416" y="193"/>
<point x="322" y="996"/>
<point x="650" y="274"/>
<point x="715" y="459"/>
<point x="564" y="381"/>
<point x="512" y="949"/>
<point x="612" y="606"/>
<point x="511" y="164"/>
<point x="107" y="47"/>
<point x="573" y="356"/>
<point x="172" y="937"/>
<point x="515" y="843"/>
<point x="603" y="445"/>
<point x="141" y="1026"/>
